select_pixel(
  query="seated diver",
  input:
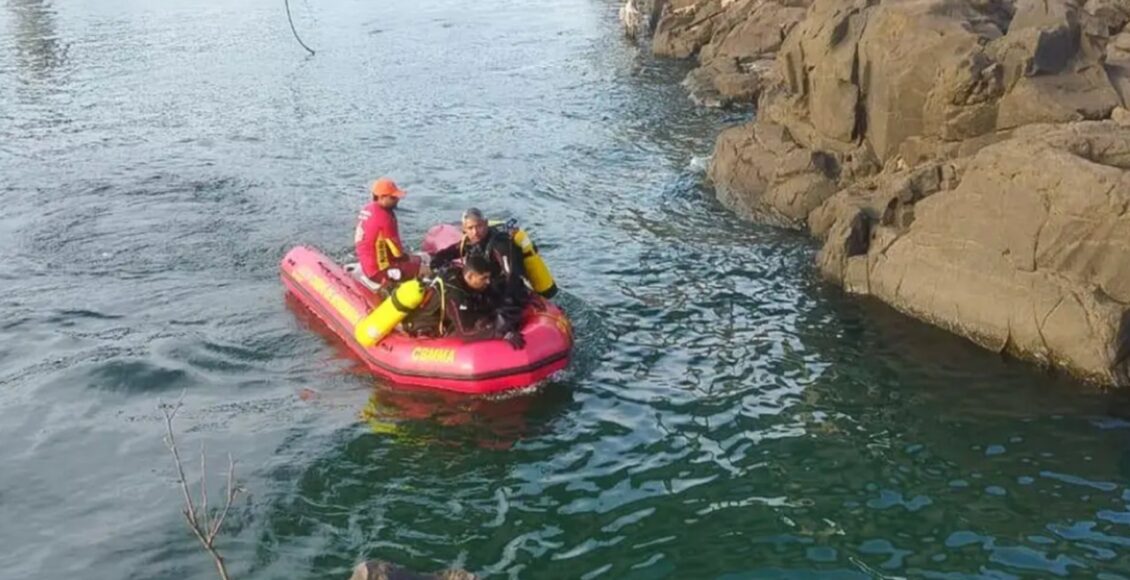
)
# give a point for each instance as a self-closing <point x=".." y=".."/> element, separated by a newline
<point x="460" y="303"/>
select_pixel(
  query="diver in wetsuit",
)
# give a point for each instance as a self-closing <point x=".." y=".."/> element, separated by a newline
<point x="508" y="273"/>
<point x="460" y="303"/>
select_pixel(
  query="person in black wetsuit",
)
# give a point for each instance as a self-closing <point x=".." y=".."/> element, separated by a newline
<point x="508" y="286"/>
<point x="459" y="303"/>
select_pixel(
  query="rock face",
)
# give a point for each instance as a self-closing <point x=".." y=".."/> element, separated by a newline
<point x="638" y="17"/>
<point x="1025" y="261"/>
<point x="963" y="160"/>
<point x="735" y="42"/>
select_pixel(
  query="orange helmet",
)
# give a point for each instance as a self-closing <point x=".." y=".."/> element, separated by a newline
<point x="386" y="187"/>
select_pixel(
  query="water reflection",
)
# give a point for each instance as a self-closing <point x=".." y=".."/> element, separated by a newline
<point x="435" y="417"/>
<point x="438" y="459"/>
<point x="39" y="50"/>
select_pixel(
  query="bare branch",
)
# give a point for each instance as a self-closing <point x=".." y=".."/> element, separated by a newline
<point x="195" y="530"/>
<point x="203" y="489"/>
<point x="232" y="492"/>
<point x="207" y="532"/>
<point x="171" y="442"/>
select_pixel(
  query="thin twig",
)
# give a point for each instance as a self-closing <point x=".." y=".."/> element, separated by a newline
<point x="291" y="20"/>
<point x="171" y="442"/>
<point x="232" y="491"/>
<point x="203" y="488"/>
<point x="206" y="533"/>
<point x="220" y="567"/>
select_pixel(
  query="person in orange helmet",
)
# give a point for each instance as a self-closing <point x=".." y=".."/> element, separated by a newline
<point x="377" y="238"/>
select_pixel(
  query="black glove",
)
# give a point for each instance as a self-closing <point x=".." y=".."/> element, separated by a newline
<point x="515" y="339"/>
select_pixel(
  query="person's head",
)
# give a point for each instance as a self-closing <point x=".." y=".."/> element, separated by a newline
<point x="386" y="193"/>
<point x="475" y="227"/>
<point x="476" y="273"/>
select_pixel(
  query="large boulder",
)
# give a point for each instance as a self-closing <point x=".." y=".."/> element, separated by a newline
<point x="685" y="26"/>
<point x="737" y="62"/>
<point x="753" y="29"/>
<point x="818" y="68"/>
<point x="1114" y="14"/>
<point x="723" y="82"/>
<point x="885" y="206"/>
<point x="760" y="172"/>
<point x="941" y="69"/>
<point x="1027" y="262"/>
<point x="1053" y="59"/>
<point x="883" y="78"/>
<point x="735" y="42"/>
<point x="924" y="72"/>
<point x="887" y="72"/>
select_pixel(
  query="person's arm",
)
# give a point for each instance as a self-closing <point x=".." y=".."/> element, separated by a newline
<point x="445" y="256"/>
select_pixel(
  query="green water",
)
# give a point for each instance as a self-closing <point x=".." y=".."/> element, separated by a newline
<point x="727" y="414"/>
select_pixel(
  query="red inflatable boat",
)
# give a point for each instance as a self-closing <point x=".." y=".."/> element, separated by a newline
<point x="340" y="300"/>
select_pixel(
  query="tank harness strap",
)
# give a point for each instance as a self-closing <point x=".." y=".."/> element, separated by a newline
<point x="442" y="304"/>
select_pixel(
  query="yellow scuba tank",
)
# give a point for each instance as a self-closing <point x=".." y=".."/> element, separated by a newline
<point x="536" y="270"/>
<point x="406" y="298"/>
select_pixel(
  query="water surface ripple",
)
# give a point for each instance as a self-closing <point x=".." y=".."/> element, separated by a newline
<point x="728" y="415"/>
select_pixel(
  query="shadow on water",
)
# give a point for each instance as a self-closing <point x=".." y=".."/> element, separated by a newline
<point x="426" y="417"/>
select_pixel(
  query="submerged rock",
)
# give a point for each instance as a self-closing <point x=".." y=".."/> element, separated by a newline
<point x="381" y="570"/>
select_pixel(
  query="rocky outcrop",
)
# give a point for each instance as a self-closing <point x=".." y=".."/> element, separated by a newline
<point x="735" y="42"/>
<point x="639" y="17"/>
<point x="963" y="160"/>
<point x="1029" y="262"/>
<point x="762" y="173"/>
